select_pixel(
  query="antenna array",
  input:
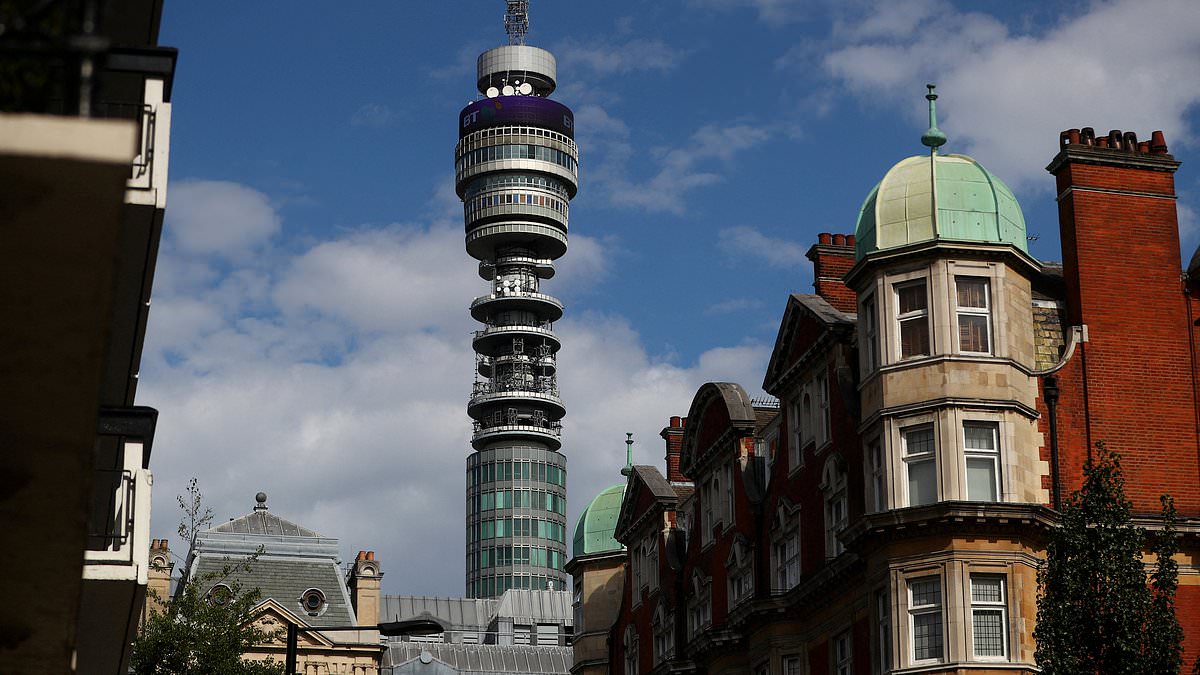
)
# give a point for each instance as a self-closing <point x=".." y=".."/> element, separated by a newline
<point x="516" y="21"/>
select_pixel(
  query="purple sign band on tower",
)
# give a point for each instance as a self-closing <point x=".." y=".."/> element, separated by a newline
<point x="516" y="110"/>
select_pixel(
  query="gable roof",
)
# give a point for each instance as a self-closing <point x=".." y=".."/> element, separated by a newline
<point x="262" y="521"/>
<point x="644" y="479"/>
<point x="782" y="368"/>
<point x="716" y="404"/>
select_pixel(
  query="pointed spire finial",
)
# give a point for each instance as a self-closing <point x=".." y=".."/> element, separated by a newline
<point x="628" y="470"/>
<point x="933" y="138"/>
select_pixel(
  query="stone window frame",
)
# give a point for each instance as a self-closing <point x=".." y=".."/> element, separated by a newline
<point x="841" y="653"/>
<point x="699" y="605"/>
<point x="663" y="626"/>
<point x="785" y="528"/>
<point x="869" y="337"/>
<point x="994" y="273"/>
<point x="899" y="456"/>
<point x="739" y="565"/>
<point x="835" y="491"/>
<point x="875" y="473"/>
<point x="631" y="650"/>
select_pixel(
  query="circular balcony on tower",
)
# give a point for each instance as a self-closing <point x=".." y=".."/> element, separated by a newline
<point x="500" y="205"/>
<point x="516" y="150"/>
<point x="542" y="267"/>
<point x="548" y="241"/>
<point x="506" y="299"/>
<point x="548" y="434"/>
<point x="483" y="404"/>
<point x="539" y="365"/>
<point x="492" y="339"/>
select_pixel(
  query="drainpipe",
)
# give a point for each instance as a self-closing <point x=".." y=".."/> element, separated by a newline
<point x="1050" y="392"/>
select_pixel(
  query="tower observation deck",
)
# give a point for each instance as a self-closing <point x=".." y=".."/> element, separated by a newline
<point x="516" y="170"/>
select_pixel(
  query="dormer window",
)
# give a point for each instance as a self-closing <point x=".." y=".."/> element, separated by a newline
<point x="912" y="315"/>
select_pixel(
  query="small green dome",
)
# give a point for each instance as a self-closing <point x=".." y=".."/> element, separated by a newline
<point x="968" y="204"/>
<point x="598" y="522"/>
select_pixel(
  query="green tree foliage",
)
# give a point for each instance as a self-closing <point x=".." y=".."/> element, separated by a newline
<point x="1096" y="613"/>
<point x="208" y="624"/>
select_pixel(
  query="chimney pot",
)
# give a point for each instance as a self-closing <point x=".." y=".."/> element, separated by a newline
<point x="1087" y="136"/>
<point x="1102" y="142"/>
<point x="1143" y="146"/>
<point x="1158" y="143"/>
<point x="370" y="555"/>
<point x="850" y="241"/>
<point x="675" y="421"/>
<point x="1073" y="136"/>
<point x="1130" y="142"/>
<point x="839" y="240"/>
<point x="1064" y="139"/>
<point x="1114" y="139"/>
<point x="824" y="238"/>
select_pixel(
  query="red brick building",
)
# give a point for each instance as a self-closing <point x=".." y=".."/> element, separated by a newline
<point x="889" y="514"/>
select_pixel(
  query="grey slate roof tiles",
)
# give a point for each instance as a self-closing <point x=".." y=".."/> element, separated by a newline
<point x="286" y="580"/>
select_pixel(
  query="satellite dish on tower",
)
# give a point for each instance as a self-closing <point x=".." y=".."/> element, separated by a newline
<point x="508" y="90"/>
<point x="526" y="88"/>
<point x="492" y="92"/>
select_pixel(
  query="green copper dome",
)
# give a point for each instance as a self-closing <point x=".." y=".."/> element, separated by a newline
<point x="933" y="196"/>
<point x="594" y="532"/>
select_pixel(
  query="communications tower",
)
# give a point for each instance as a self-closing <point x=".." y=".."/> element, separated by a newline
<point x="516" y="170"/>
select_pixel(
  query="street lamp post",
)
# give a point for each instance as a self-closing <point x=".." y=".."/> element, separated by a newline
<point x="425" y="624"/>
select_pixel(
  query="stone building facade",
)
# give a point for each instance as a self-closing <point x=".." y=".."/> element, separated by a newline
<point x="889" y="516"/>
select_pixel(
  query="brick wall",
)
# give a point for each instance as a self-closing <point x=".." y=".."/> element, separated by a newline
<point x="1133" y="379"/>
<point x="673" y="435"/>
<point x="832" y="257"/>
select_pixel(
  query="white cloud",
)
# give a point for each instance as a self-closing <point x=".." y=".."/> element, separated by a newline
<point x="1005" y="97"/>
<point x="769" y="11"/>
<point x="608" y="58"/>
<point x="218" y="217"/>
<point x="680" y="170"/>
<point x="746" y="241"/>
<point x="374" y="115"/>
<point x="336" y="379"/>
<point x="733" y="305"/>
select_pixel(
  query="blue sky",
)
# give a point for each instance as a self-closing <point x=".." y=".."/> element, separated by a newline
<point x="309" y="334"/>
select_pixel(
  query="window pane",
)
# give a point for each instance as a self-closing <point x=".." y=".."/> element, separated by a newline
<point x="972" y="293"/>
<point x="926" y="592"/>
<point x="914" y="337"/>
<point x="922" y="482"/>
<point x="989" y="632"/>
<point x="973" y="333"/>
<point x="927" y="636"/>
<point x="980" y="436"/>
<point x="986" y="589"/>
<point x="918" y="440"/>
<point x="911" y="297"/>
<point x="981" y="479"/>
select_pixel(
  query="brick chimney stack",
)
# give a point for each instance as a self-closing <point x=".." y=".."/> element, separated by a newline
<point x="1122" y="275"/>
<point x="832" y="256"/>
<point x="363" y="584"/>
<point x="673" y="435"/>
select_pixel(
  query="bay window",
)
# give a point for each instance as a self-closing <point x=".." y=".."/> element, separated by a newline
<point x="974" y="315"/>
<point x="912" y="315"/>
<point x="982" y="460"/>
<point x="989" y="627"/>
<point x="921" y="464"/>
<point x="925" y="619"/>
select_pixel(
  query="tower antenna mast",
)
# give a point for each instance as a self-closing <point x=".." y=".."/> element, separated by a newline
<point x="516" y="21"/>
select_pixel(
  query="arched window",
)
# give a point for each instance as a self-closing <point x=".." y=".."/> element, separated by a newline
<point x="631" y="650"/>
<point x="664" y="634"/>
<point x="833" y="488"/>
<point x="785" y="548"/>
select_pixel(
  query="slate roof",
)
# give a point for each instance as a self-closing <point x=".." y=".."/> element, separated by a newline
<point x="266" y="523"/>
<point x="285" y="580"/>
<point x="404" y="657"/>
<point x="657" y="484"/>
<point x="763" y="416"/>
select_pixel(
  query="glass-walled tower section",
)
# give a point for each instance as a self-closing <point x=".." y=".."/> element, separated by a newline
<point x="516" y="172"/>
